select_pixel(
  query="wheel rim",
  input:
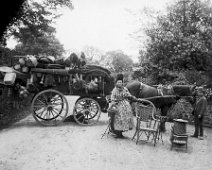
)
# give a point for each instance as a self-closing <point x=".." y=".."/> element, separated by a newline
<point x="49" y="107"/>
<point x="87" y="111"/>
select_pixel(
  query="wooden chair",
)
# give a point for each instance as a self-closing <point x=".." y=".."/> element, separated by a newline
<point x="146" y="123"/>
<point x="179" y="136"/>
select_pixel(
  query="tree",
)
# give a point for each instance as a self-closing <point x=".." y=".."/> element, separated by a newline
<point x="33" y="29"/>
<point x="16" y="11"/>
<point x="47" y="45"/>
<point x="93" y="54"/>
<point x="118" y="61"/>
<point x="181" y="38"/>
<point x="7" y="16"/>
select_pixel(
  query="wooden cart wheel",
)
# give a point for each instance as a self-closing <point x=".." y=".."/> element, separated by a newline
<point x="49" y="107"/>
<point x="87" y="111"/>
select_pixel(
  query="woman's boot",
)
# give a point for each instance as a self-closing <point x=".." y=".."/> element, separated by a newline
<point x="119" y="134"/>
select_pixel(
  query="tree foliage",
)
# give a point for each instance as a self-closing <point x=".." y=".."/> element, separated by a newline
<point x="93" y="54"/>
<point x="33" y="30"/>
<point x="5" y="56"/>
<point x="181" y="39"/>
<point x="9" y="10"/>
<point x="117" y="61"/>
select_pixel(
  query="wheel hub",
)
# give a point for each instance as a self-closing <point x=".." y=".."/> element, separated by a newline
<point x="49" y="108"/>
<point x="87" y="112"/>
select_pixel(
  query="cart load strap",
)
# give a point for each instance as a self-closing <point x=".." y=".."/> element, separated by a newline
<point x="51" y="71"/>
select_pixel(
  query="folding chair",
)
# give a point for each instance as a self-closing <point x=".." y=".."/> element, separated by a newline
<point x="146" y="123"/>
<point x="108" y="129"/>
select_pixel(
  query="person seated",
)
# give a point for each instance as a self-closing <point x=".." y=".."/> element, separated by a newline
<point x="92" y="85"/>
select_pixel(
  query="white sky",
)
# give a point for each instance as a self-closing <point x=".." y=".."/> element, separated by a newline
<point x="104" y="24"/>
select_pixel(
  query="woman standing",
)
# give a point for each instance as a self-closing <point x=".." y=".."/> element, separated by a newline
<point x="122" y="119"/>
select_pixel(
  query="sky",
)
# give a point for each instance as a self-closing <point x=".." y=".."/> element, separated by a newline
<point x="103" y="24"/>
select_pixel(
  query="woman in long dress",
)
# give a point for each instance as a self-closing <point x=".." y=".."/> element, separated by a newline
<point x="122" y="119"/>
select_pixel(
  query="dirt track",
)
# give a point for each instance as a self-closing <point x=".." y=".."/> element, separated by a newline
<point x="28" y="146"/>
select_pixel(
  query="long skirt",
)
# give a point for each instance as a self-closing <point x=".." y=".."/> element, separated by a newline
<point x="122" y="120"/>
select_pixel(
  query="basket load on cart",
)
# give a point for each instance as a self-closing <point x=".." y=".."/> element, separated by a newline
<point x="51" y="79"/>
<point x="92" y="83"/>
<point x="25" y="62"/>
<point x="12" y="81"/>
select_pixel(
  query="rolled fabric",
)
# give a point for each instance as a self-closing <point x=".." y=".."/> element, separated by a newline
<point x="51" y="58"/>
<point x="31" y="61"/>
<point x="9" y="78"/>
<point x="51" y="71"/>
<point x="25" y="69"/>
<point x="59" y="61"/>
<point x="22" y="61"/>
<point x="17" y="67"/>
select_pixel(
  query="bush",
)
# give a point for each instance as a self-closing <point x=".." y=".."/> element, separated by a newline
<point x="13" y="109"/>
<point x="181" y="110"/>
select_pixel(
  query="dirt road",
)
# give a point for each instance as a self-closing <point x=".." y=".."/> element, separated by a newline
<point x="29" y="146"/>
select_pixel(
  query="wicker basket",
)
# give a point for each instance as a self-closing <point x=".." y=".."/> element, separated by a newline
<point x="145" y="112"/>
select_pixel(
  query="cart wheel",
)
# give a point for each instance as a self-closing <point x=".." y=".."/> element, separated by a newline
<point x="49" y="107"/>
<point x="87" y="111"/>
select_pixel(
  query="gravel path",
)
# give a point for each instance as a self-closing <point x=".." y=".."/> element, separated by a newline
<point x="28" y="146"/>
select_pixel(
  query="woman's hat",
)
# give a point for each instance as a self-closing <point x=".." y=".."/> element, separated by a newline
<point x="120" y="77"/>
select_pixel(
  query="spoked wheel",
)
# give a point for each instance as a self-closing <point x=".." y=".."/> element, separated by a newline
<point x="49" y="107"/>
<point x="87" y="111"/>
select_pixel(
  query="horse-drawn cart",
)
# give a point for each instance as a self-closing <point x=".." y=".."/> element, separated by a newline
<point x="50" y="85"/>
